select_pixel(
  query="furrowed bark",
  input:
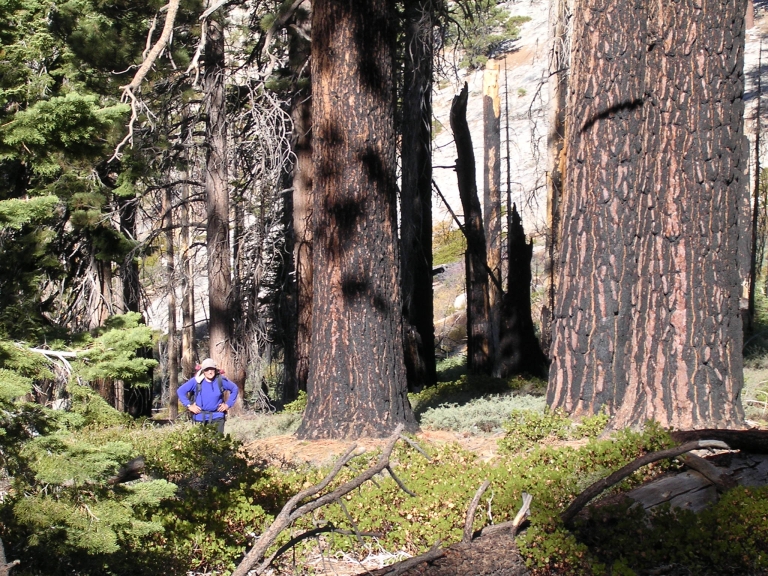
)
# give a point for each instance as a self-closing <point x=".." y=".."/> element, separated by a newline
<point x="357" y="380"/>
<point x="647" y="320"/>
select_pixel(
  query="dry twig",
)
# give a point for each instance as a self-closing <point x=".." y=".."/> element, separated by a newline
<point x="470" y="520"/>
<point x="293" y="511"/>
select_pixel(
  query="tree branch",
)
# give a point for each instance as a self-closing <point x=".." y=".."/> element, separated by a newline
<point x="292" y="511"/>
<point x="165" y="35"/>
<point x="596" y="488"/>
<point x="470" y="519"/>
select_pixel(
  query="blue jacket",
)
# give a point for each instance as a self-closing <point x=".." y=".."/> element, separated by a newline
<point x="209" y="398"/>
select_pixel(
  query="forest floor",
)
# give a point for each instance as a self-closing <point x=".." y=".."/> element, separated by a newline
<point x="287" y="450"/>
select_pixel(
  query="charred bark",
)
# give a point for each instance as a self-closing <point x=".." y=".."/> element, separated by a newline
<point x="170" y="267"/>
<point x="301" y="113"/>
<point x="480" y="354"/>
<point x="559" y="16"/>
<point x="221" y="322"/>
<point x="187" y="290"/>
<point x="357" y="381"/>
<point x="130" y="283"/>
<point x="647" y="318"/>
<point x="519" y="351"/>
<point x="492" y="192"/>
<point x="416" y="194"/>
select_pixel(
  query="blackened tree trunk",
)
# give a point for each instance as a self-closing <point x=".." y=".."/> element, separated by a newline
<point x="187" y="289"/>
<point x="129" y="296"/>
<point x="519" y="350"/>
<point x="170" y="268"/>
<point x="416" y="194"/>
<point x="301" y="209"/>
<point x="560" y="38"/>
<point x="647" y="320"/>
<point x="221" y="323"/>
<point x="302" y="219"/>
<point x="357" y="382"/>
<point x="492" y="192"/>
<point x="480" y="354"/>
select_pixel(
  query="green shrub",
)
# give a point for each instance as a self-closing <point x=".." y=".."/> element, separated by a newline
<point x="480" y="415"/>
<point x="461" y="391"/>
<point x="526" y="428"/>
<point x="298" y="405"/>
<point x="731" y="537"/>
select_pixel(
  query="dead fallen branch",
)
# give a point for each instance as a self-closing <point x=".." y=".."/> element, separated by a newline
<point x="601" y="485"/>
<point x="292" y="511"/>
<point x="754" y="441"/>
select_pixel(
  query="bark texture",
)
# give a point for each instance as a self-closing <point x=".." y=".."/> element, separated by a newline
<point x="493" y="555"/>
<point x="301" y="205"/>
<point x="480" y="353"/>
<point x="492" y="190"/>
<point x="647" y="318"/>
<point x="560" y="37"/>
<point x="416" y="194"/>
<point x="357" y="382"/>
<point x="170" y="269"/>
<point x="519" y="351"/>
<point x="217" y="204"/>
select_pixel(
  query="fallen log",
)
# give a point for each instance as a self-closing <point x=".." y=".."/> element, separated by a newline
<point x="754" y="441"/>
<point x="598" y="487"/>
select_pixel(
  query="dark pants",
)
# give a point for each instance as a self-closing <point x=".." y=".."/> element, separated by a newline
<point x="218" y="423"/>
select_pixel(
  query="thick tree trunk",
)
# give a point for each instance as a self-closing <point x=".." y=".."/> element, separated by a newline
<point x="492" y="193"/>
<point x="416" y="194"/>
<point x="559" y="30"/>
<point x="221" y="323"/>
<point x="170" y="268"/>
<point x="480" y="354"/>
<point x="297" y="316"/>
<point x="647" y="319"/>
<point x="519" y="351"/>
<point x="187" y="291"/>
<point x="357" y="382"/>
<point x="302" y="230"/>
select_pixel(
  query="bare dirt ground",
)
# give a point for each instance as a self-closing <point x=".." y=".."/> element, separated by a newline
<point x="288" y="450"/>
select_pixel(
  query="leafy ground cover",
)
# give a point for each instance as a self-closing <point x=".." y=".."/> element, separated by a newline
<point x="202" y="498"/>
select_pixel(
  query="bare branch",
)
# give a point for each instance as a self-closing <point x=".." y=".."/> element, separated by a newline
<point x="513" y="525"/>
<point x="165" y="35"/>
<point x="292" y="511"/>
<point x="310" y="534"/>
<point x="433" y="554"/>
<point x="149" y="60"/>
<point x="596" y="488"/>
<point x="470" y="519"/>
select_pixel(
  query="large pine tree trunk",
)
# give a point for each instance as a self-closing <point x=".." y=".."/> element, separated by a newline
<point x="170" y="267"/>
<point x="302" y="231"/>
<point x="416" y="194"/>
<point x="480" y="353"/>
<point x="647" y="318"/>
<point x="357" y="382"/>
<point x="560" y="38"/>
<point x="187" y="289"/>
<point x="219" y="251"/>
